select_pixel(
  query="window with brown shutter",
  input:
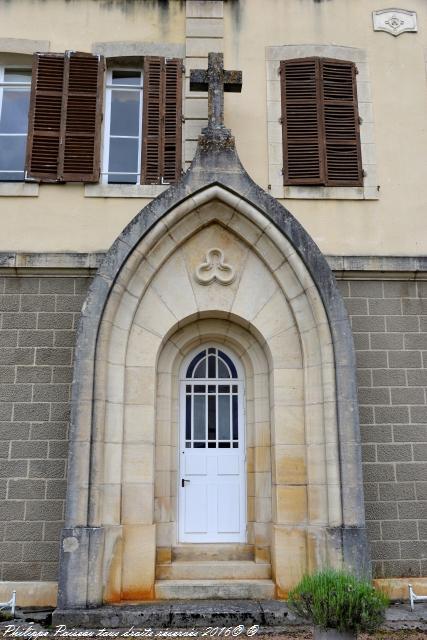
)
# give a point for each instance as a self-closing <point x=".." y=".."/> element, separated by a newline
<point x="320" y="123"/>
<point x="162" y="121"/>
<point x="65" y="117"/>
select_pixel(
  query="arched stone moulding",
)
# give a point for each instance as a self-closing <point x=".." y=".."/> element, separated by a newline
<point x="112" y="463"/>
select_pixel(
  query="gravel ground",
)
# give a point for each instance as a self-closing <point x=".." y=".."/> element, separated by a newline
<point x="403" y="634"/>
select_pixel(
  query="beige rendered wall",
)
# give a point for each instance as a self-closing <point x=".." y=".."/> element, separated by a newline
<point x="61" y="218"/>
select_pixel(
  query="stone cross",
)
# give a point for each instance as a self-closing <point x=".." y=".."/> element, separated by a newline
<point x="215" y="80"/>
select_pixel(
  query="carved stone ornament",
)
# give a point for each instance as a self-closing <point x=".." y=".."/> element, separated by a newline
<point x="214" y="269"/>
<point x="395" y="21"/>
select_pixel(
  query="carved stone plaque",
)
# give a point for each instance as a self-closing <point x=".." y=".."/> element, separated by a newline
<point x="395" y="21"/>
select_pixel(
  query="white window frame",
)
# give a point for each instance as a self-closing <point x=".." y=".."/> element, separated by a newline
<point x="109" y="87"/>
<point x="13" y="85"/>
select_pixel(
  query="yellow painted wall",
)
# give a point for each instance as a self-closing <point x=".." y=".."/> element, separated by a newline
<point x="62" y="219"/>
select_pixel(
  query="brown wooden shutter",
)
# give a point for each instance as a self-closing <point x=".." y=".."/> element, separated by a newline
<point x="301" y="119"/>
<point x="45" y="116"/>
<point x="173" y="121"/>
<point x="65" y="117"/>
<point x="81" y="118"/>
<point x="341" y="123"/>
<point x="161" y="143"/>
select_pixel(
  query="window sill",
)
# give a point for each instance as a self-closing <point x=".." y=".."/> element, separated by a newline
<point x="124" y="190"/>
<point x="19" y="189"/>
<point x="325" y="193"/>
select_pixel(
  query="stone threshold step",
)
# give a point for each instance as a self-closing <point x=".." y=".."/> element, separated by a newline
<point x="214" y="589"/>
<point x="214" y="570"/>
<point x="179" y="615"/>
<point x="213" y="551"/>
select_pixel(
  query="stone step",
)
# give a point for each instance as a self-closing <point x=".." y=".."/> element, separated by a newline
<point x="214" y="570"/>
<point x="193" y="552"/>
<point x="214" y="589"/>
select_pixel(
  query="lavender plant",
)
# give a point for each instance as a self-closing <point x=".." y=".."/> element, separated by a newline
<point x="333" y="599"/>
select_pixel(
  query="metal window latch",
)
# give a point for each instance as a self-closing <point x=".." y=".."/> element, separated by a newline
<point x="183" y="481"/>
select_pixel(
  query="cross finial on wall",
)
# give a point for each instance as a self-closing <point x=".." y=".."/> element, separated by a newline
<point x="215" y="80"/>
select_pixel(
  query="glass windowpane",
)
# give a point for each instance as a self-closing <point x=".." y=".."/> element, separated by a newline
<point x="120" y="178"/>
<point x="235" y="419"/>
<point x="212" y="367"/>
<point x="223" y="371"/>
<point x="123" y="155"/>
<point x="212" y="417"/>
<point x="14" y="112"/>
<point x="188" y="418"/>
<point x="193" y="363"/>
<point x="17" y="75"/>
<point x="200" y="371"/>
<point x="123" y="76"/>
<point x="124" y="113"/>
<point x="12" y="152"/>
<point x="223" y="417"/>
<point x="199" y="427"/>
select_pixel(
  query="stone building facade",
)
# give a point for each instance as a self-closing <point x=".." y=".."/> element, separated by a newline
<point x="55" y="237"/>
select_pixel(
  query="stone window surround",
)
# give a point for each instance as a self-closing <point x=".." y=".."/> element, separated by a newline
<point x="116" y="52"/>
<point x="275" y="151"/>
<point x="13" y="50"/>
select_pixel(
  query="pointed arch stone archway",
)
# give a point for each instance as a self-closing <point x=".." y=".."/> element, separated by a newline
<point x="279" y="310"/>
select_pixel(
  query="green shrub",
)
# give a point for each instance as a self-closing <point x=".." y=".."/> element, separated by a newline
<point x="338" y="600"/>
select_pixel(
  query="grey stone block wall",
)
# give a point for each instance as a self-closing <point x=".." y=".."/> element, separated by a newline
<point x="389" y="321"/>
<point x="38" y="318"/>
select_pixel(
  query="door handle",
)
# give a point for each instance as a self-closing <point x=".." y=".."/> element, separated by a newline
<point x="183" y="481"/>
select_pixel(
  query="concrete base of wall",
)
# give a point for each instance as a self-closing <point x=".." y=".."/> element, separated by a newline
<point x="30" y="594"/>
<point x="397" y="588"/>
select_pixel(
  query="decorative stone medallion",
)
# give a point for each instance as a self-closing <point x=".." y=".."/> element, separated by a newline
<point x="395" y="21"/>
<point x="214" y="269"/>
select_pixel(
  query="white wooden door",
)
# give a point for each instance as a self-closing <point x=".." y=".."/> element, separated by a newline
<point x="212" y="480"/>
